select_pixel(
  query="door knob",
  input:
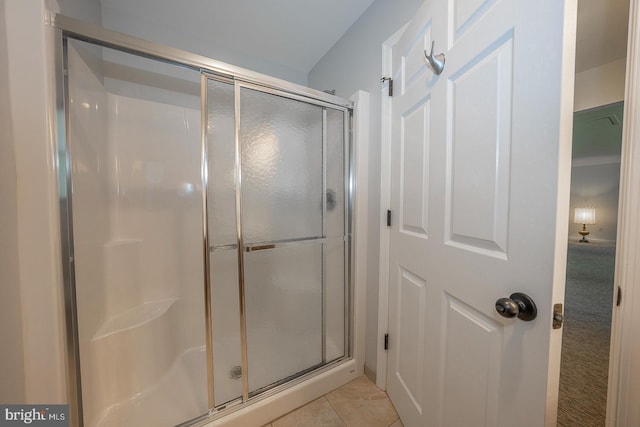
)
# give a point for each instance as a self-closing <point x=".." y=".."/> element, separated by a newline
<point x="518" y="304"/>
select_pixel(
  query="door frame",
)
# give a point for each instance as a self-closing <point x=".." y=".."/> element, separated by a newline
<point x="624" y="365"/>
<point x="385" y="203"/>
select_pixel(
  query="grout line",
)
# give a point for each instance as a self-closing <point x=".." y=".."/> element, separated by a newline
<point x="344" y="422"/>
<point x="334" y="409"/>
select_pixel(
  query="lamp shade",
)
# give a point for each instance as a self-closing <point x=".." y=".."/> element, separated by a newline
<point x="585" y="216"/>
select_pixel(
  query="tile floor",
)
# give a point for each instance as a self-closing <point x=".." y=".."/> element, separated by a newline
<point x="356" y="404"/>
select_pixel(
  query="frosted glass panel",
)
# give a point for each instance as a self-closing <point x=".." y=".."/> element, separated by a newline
<point x="283" y="190"/>
<point x="225" y="314"/>
<point x="334" y="252"/>
<point x="221" y="157"/>
<point x="335" y="173"/>
<point x="281" y="142"/>
<point x="284" y="312"/>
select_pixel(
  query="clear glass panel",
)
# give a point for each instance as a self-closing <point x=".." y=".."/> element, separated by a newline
<point x="284" y="313"/>
<point x="281" y="142"/>
<point x="225" y="308"/>
<point x="135" y="147"/>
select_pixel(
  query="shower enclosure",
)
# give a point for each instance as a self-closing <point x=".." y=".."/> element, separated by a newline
<point x="206" y="231"/>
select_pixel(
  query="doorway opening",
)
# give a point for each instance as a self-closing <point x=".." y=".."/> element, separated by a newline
<point x="589" y="292"/>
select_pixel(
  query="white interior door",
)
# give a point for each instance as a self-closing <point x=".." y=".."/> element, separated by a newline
<point x="480" y="162"/>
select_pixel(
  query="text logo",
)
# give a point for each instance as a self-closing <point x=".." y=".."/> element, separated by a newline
<point x="34" y="415"/>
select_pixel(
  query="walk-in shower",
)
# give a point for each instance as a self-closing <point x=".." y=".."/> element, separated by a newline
<point x="206" y="220"/>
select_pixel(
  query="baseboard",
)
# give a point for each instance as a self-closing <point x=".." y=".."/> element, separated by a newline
<point x="370" y="373"/>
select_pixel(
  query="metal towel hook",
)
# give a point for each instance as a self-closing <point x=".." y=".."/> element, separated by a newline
<point x="436" y="62"/>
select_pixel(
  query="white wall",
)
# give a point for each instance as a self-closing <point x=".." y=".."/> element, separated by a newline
<point x="167" y="34"/>
<point x="596" y="185"/>
<point x="594" y="182"/>
<point x="30" y="248"/>
<point x="86" y="10"/>
<point x="355" y="63"/>
<point x="30" y="96"/>
<point x="11" y="353"/>
<point x="599" y="86"/>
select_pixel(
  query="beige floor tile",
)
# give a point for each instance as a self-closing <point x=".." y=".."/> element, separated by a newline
<point x="397" y="424"/>
<point x="318" y="413"/>
<point x="361" y="404"/>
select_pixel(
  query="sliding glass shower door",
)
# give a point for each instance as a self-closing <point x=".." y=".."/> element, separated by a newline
<point x="205" y="236"/>
<point x="277" y="226"/>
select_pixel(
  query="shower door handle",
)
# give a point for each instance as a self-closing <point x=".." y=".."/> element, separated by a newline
<point x="259" y="248"/>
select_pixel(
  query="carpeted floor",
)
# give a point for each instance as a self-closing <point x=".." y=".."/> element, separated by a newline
<point x="587" y="329"/>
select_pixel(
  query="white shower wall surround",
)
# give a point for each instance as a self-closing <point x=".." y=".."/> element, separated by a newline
<point x="137" y="233"/>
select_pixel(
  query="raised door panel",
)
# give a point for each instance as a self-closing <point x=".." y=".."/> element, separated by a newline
<point x="479" y="146"/>
<point x="472" y="360"/>
<point x="415" y="127"/>
<point x="463" y="14"/>
<point x="407" y="341"/>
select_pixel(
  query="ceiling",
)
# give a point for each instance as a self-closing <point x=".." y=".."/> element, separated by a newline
<point x="601" y="33"/>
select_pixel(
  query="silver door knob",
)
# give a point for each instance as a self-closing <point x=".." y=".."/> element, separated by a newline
<point x="518" y="304"/>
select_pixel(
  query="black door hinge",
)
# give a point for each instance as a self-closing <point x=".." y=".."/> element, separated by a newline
<point x="386" y="341"/>
<point x="384" y="79"/>
<point x="619" y="297"/>
<point x="388" y="217"/>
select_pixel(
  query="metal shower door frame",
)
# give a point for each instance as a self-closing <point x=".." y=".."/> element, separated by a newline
<point x="241" y="247"/>
<point x="68" y="28"/>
